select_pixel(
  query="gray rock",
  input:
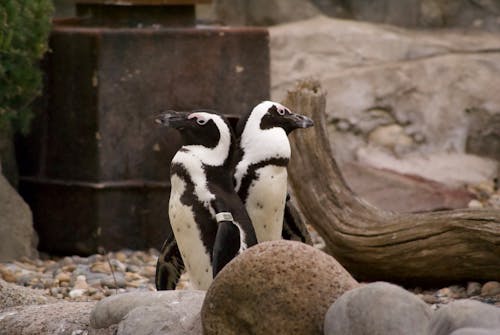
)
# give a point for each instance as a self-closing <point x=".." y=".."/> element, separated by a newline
<point x="464" y="314"/>
<point x="17" y="236"/>
<point x="13" y="295"/>
<point x="378" y="308"/>
<point x="179" y="319"/>
<point x="418" y="13"/>
<point x="379" y="76"/>
<point x="476" y="331"/>
<point x="279" y="287"/>
<point x="63" y="318"/>
<point x="483" y="137"/>
<point x="113" y="309"/>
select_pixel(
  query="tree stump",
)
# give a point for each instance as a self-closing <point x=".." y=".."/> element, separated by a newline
<point x="372" y="244"/>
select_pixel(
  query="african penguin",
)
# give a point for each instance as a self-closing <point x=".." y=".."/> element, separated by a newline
<point x="261" y="173"/>
<point x="208" y="218"/>
<point x="260" y="181"/>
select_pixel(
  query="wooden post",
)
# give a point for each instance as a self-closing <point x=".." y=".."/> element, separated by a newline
<point x="424" y="248"/>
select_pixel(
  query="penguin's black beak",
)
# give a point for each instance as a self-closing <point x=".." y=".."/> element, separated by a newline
<point x="172" y="119"/>
<point x="294" y="121"/>
<point x="303" y="121"/>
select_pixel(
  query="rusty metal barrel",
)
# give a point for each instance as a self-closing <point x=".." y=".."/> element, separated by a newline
<point x="95" y="169"/>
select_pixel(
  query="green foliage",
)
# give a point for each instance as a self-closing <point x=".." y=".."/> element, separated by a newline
<point x="24" y="30"/>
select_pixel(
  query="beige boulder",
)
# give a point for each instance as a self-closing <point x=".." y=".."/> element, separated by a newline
<point x="279" y="287"/>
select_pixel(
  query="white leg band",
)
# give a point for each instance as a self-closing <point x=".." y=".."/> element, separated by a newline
<point x="223" y="216"/>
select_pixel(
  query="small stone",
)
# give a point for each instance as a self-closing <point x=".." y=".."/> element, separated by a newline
<point x="81" y="283"/>
<point x="54" y="291"/>
<point x="148" y="271"/>
<point x="101" y="267"/>
<point x="490" y="288"/>
<point x="114" y="282"/>
<point x="475" y="204"/>
<point x="444" y="292"/>
<point x="457" y="292"/>
<point x="76" y="293"/>
<point x="133" y="268"/>
<point x="121" y="256"/>
<point x="131" y="276"/>
<point x="118" y="266"/>
<point x="473" y="288"/>
<point x="429" y="299"/>
<point x="63" y="277"/>
<point x="7" y="274"/>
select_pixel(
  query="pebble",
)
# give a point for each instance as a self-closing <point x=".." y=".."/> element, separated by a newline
<point x="77" y="278"/>
<point x="491" y="288"/>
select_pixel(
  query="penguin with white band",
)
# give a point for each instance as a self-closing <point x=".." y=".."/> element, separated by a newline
<point x="208" y="219"/>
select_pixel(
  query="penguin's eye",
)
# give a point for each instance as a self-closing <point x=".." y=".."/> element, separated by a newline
<point x="281" y="112"/>
<point x="201" y="122"/>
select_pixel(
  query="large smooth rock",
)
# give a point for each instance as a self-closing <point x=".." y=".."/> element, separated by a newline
<point x="173" y="312"/>
<point x="17" y="235"/>
<point x="378" y="308"/>
<point x="62" y="318"/>
<point x="181" y="319"/>
<point x="421" y="87"/>
<point x="279" y="287"/>
<point x="464" y="314"/>
<point x="14" y="295"/>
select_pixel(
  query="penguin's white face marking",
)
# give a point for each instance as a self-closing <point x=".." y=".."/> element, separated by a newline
<point x="193" y="157"/>
<point x="193" y="252"/>
<point x="261" y="144"/>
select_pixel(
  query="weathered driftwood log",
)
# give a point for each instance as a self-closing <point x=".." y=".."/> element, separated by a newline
<point x="424" y="248"/>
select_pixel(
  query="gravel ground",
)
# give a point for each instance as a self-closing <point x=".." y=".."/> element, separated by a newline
<point x="90" y="278"/>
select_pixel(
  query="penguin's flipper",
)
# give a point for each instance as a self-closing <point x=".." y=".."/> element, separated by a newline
<point x="226" y="246"/>
<point x="169" y="266"/>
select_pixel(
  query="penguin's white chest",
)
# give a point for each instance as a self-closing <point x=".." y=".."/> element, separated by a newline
<point x="195" y="256"/>
<point x="265" y="203"/>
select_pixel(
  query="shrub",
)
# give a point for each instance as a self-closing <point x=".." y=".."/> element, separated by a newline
<point x="24" y="30"/>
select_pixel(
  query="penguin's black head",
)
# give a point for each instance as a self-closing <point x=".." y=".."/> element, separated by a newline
<point x="198" y="127"/>
<point x="277" y="115"/>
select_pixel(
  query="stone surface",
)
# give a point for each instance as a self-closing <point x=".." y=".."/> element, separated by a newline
<point x="378" y="308"/>
<point x="279" y="287"/>
<point x="478" y="15"/>
<point x="484" y="134"/>
<point x="261" y="12"/>
<point x="17" y="235"/>
<point x="421" y="83"/>
<point x="63" y="318"/>
<point x="172" y="319"/>
<point x="451" y="169"/>
<point x="13" y="295"/>
<point x="490" y="288"/>
<point x="113" y="309"/>
<point x="476" y="331"/>
<point x="481" y="14"/>
<point x="402" y="193"/>
<point x="464" y="314"/>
